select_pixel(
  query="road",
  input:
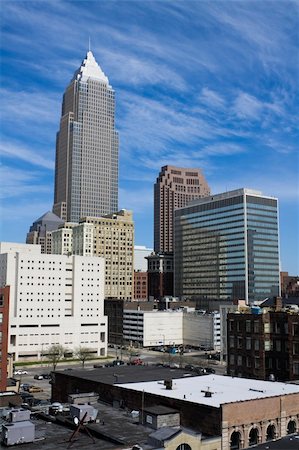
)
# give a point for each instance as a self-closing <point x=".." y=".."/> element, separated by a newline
<point x="148" y="357"/>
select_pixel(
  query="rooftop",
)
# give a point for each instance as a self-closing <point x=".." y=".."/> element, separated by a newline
<point x="224" y="389"/>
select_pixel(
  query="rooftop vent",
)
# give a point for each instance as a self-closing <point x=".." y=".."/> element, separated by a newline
<point x="207" y="393"/>
<point x="168" y="384"/>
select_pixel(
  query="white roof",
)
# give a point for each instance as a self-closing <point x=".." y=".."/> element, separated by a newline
<point x="90" y="69"/>
<point x="224" y="389"/>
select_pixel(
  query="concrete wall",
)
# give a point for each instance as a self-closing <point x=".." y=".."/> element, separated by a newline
<point x="54" y="299"/>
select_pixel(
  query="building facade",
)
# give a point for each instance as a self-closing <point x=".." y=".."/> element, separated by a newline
<point x="40" y="231"/>
<point x="263" y="343"/>
<point x="110" y="236"/>
<point x="160" y="275"/>
<point x="54" y="299"/>
<point x="153" y="328"/>
<point x="289" y="285"/>
<point x="4" y="310"/>
<point x="174" y="188"/>
<point x="86" y="168"/>
<point x="140" y="254"/>
<point x="227" y="247"/>
<point x="202" y="330"/>
<point x="140" y="285"/>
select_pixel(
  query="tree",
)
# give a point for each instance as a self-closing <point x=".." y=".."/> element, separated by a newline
<point x="55" y="353"/>
<point x="83" y="353"/>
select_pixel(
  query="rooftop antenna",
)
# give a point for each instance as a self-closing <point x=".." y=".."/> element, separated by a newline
<point x="89" y="43"/>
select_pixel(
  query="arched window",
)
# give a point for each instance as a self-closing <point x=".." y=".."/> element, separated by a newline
<point x="184" y="447"/>
<point x="270" y="433"/>
<point x="235" y="440"/>
<point x="253" y="436"/>
<point x="291" y="427"/>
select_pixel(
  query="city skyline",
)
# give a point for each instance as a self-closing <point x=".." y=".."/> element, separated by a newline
<point x="218" y="91"/>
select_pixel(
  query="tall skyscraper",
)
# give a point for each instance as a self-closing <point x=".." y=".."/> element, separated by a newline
<point x="86" y="170"/>
<point x="174" y="188"/>
<point x="227" y="247"/>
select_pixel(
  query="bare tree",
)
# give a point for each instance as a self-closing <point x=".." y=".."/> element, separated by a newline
<point x="83" y="354"/>
<point x="54" y="354"/>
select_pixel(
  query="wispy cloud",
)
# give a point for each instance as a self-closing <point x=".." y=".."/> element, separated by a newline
<point x="18" y="151"/>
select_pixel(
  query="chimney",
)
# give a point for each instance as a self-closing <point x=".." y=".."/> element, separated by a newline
<point x="278" y="303"/>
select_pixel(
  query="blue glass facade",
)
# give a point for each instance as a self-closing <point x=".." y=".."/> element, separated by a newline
<point x="226" y="247"/>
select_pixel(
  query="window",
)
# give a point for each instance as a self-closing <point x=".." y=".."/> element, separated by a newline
<point x="248" y="326"/>
<point x="256" y="326"/>
<point x="248" y="343"/>
<point x="256" y="344"/>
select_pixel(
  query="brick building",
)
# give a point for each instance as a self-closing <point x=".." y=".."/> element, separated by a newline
<point x="263" y="343"/>
<point x="140" y="285"/>
<point x="241" y="411"/>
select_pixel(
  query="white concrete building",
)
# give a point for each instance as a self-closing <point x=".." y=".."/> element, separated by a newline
<point x="140" y="253"/>
<point x="153" y="328"/>
<point x="54" y="299"/>
<point x="201" y="329"/>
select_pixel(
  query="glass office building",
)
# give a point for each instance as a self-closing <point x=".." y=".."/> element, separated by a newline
<point x="227" y="247"/>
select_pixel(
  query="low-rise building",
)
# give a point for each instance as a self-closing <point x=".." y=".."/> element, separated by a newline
<point x="202" y="329"/>
<point x="153" y="328"/>
<point x="241" y="412"/>
<point x="140" y="285"/>
<point x="54" y="299"/>
<point x="263" y="343"/>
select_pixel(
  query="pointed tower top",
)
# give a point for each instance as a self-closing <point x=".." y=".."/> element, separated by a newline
<point x="90" y="69"/>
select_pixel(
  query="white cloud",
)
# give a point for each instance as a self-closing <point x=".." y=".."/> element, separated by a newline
<point x="211" y="98"/>
<point x="17" y="151"/>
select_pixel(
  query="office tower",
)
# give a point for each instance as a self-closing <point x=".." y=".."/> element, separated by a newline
<point x="174" y="188"/>
<point x="40" y="231"/>
<point x="227" y="247"/>
<point x="111" y="236"/>
<point x="86" y="169"/>
<point x="54" y="299"/>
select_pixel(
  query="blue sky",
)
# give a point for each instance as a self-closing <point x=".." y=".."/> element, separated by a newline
<point x="208" y="84"/>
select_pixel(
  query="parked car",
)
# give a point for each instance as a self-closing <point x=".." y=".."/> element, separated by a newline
<point x="25" y="386"/>
<point x="38" y="377"/>
<point x="33" y="389"/>
<point x="116" y="362"/>
<point x="209" y="370"/>
<point x="199" y="370"/>
<point x="98" y="366"/>
<point x="46" y="376"/>
<point x="189" y="367"/>
<point x="136" y="362"/>
<point x="20" y="372"/>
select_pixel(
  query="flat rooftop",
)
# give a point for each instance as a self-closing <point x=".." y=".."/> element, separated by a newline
<point x="127" y="374"/>
<point x="224" y="389"/>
